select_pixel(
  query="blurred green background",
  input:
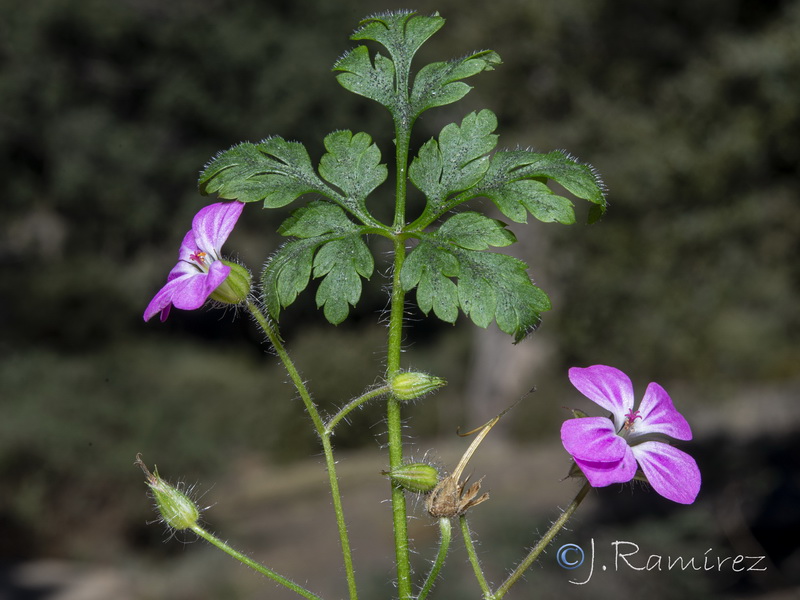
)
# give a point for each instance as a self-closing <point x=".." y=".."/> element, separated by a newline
<point x="109" y="109"/>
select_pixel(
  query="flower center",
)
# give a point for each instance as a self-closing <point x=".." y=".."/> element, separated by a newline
<point x="199" y="259"/>
<point x="629" y="419"/>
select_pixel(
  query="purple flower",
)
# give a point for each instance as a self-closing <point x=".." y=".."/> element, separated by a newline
<point x="608" y="451"/>
<point x="200" y="270"/>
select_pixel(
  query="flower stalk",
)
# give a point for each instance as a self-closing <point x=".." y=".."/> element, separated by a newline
<point x="256" y="566"/>
<point x="445" y="535"/>
<point x="541" y="544"/>
<point x="324" y="436"/>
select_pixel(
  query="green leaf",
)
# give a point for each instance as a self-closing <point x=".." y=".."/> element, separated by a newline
<point x="428" y="268"/>
<point x="457" y="161"/>
<point x="331" y="244"/>
<point x="353" y="165"/>
<point x="401" y="33"/>
<point x="473" y="231"/>
<point x="440" y="83"/>
<point x="515" y="182"/>
<point x="287" y="273"/>
<point x="361" y="77"/>
<point x="341" y="263"/>
<point x="315" y="219"/>
<point x="496" y="286"/>
<point x="489" y="286"/>
<point x="275" y="171"/>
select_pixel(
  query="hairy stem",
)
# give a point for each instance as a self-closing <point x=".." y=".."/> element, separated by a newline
<point x="394" y="346"/>
<point x="256" y="566"/>
<point x="444" y="545"/>
<point x="353" y="404"/>
<point x="394" y="429"/>
<point x="473" y="556"/>
<point x="542" y="543"/>
<point x="270" y="330"/>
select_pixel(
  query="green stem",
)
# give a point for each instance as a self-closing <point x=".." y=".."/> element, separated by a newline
<point x="256" y="566"/>
<point x="473" y="557"/>
<point x="269" y="329"/>
<point x="353" y="404"/>
<point x="542" y="544"/>
<point x="394" y="424"/>
<point x="402" y="140"/>
<point x="444" y="546"/>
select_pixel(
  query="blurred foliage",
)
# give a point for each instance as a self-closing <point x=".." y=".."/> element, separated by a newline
<point x="689" y="110"/>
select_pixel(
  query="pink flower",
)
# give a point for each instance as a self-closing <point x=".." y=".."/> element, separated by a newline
<point x="607" y="451"/>
<point x="200" y="270"/>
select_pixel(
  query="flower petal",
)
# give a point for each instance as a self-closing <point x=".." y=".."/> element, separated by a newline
<point x="658" y="415"/>
<point x="213" y="224"/>
<point x="601" y="474"/>
<point x="163" y="298"/>
<point x="672" y="473"/>
<point x="194" y="290"/>
<point x="606" y="386"/>
<point x="188" y="247"/>
<point x="593" y="439"/>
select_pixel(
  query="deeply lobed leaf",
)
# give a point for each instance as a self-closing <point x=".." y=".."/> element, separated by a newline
<point x="275" y="171"/>
<point x="341" y="263"/>
<point x="360" y="76"/>
<point x="386" y="79"/>
<point x="488" y="286"/>
<point x="457" y="161"/>
<point x="473" y="231"/>
<point x="438" y="84"/>
<point x="515" y="182"/>
<point x="331" y="247"/>
<point x="352" y="164"/>
<point x="401" y="33"/>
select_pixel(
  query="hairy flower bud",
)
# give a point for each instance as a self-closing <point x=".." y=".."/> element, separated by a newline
<point x="415" y="477"/>
<point x="236" y="286"/>
<point x="177" y="510"/>
<point x="410" y="385"/>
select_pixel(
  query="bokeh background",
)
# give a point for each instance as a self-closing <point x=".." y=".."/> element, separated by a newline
<point x="690" y="110"/>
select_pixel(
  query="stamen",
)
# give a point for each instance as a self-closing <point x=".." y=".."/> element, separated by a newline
<point x="199" y="257"/>
<point x="630" y="418"/>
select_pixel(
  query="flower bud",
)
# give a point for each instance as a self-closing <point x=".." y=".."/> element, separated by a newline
<point x="410" y="385"/>
<point x="415" y="477"/>
<point x="176" y="508"/>
<point x="236" y="288"/>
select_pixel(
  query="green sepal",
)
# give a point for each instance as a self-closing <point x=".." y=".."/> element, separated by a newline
<point x="352" y="164"/>
<point x="410" y="385"/>
<point x="419" y="478"/>
<point x="439" y="83"/>
<point x="176" y="509"/>
<point x="236" y="287"/>
<point x="329" y="246"/>
<point x="457" y="161"/>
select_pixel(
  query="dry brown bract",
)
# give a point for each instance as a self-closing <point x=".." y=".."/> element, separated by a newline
<point x="448" y="499"/>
